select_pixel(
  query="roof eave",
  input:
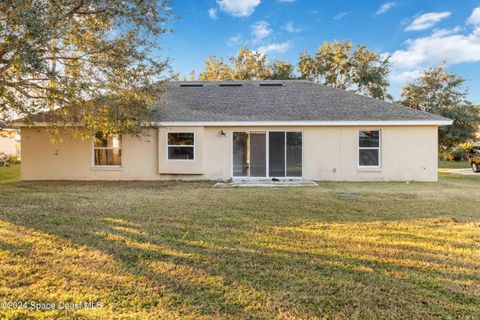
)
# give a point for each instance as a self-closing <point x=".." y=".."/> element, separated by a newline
<point x="445" y="122"/>
<point x="21" y="124"/>
<point x="366" y="123"/>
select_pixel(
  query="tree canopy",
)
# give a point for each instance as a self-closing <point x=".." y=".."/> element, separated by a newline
<point x="246" y="65"/>
<point x="340" y="65"/>
<point x="88" y="62"/>
<point x="440" y="92"/>
<point x="281" y="70"/>
<point x="337" y="64"/>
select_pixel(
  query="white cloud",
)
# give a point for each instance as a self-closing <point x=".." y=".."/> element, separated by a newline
<point x="290" y="27"/>
<point x="275" y="47"/>
<point x="260" y="30"/>
<point x="453" y="46"/>
<point x="475" y="17"/>
<point x="434" y="49"/>
<point x="235" y="40"/>
<point x="341" y="15"/>
<point x="385" y="7"/>
<point x="427" y="20"/>
<point x="238" y="8"/>
<point x="212" y="13"/>
<point x="446" y="32"/>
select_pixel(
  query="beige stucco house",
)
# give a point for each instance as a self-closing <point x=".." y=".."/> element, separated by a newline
<point x="251" y="130"/>
<point x="9" y="141"/>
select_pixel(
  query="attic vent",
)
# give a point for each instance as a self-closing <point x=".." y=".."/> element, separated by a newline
<point x="230" y="85"/>
<point x="192" y="85"/>
<point x="271" y="84"/>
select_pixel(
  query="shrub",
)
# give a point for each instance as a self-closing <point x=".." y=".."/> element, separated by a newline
<point x="458" y="154"/>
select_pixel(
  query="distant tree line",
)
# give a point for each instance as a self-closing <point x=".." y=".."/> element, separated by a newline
<point x="337" y="64"/>
<point x="342" y="65"/>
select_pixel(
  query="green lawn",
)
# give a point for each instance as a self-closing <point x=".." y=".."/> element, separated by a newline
<point x="152" y="250"/>
<point x="453" y="164"/>
<point x="10" y="174"/>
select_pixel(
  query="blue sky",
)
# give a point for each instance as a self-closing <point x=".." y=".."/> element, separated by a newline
<point x="417" y="34"/>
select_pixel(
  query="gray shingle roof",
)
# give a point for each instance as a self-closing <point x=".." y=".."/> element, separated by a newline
<point x="295" y="100"/>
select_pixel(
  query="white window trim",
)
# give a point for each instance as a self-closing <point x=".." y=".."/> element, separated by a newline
<point x="106" y="167"/>
<point x="379" y="148"/>
<point x="267" y="147"/>
<point x="181" y="145"/>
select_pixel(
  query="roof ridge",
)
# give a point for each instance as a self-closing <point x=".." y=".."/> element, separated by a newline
<point x="253" y="81"/>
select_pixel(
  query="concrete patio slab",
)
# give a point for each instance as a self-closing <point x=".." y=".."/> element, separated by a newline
<point x="266" y="183"/>
<point x="467" y="172"/>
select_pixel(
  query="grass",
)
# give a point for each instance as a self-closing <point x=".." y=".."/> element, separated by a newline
<point x="10" y="174"/>
<point x="185" y="250"/>
<point x="453" y="164"/>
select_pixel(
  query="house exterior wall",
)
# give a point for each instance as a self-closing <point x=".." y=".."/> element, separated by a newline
<point x="8" y="144"/>
<point x="329" y="153"/>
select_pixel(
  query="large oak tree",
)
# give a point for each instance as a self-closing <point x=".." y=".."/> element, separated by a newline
<point x="87" y="62"/>
<point x="341" y="65"/>
<point x="443" y="93"/>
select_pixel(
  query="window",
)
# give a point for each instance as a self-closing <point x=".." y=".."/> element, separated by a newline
<point x="475" y="152"/>
<point x="107" y="150"/>
<point x="181" y="146"/>
<point x="369" y="148"/>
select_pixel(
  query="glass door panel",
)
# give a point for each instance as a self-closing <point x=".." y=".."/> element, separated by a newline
<point x="258" y="154"/>
<point x="276" y="154"/>
<point x="240" y="154"/>
<point x="294" y="154"/>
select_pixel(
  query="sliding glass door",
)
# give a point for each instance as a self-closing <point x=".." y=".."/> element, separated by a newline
<point x="284" y="150"/>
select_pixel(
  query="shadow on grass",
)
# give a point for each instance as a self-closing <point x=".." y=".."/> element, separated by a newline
<point x="193" y="251"/>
